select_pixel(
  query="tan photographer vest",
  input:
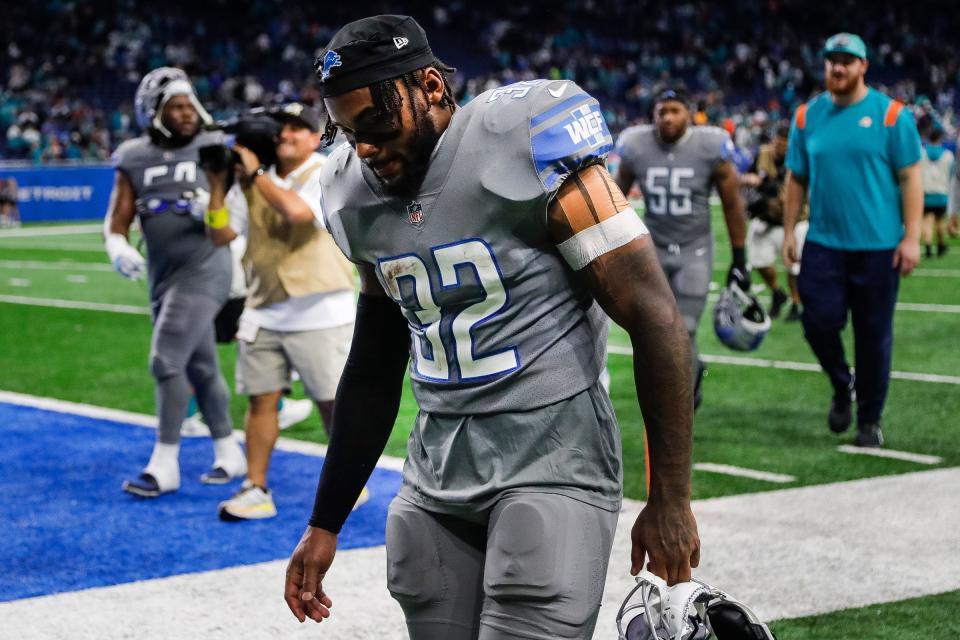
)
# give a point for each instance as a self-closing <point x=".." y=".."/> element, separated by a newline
<point x="285" y="259"/>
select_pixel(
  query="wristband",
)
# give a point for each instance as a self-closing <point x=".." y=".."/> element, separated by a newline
<point x="262" y="169"/>
<point x="217" y="218"/>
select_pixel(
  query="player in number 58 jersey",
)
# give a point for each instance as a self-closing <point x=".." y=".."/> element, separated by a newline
<point x="676" y="166"/>
<point x="490" y="243"/>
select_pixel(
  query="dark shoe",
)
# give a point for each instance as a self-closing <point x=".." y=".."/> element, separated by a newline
<point x="927" y="251"/>
<point x="841" y="415"/>
<point x="869" y="435"/>
<point x="779" y="299"/>
<point x="145" y="486"/>
<point x="794" y="314"/>
<point x="698" y="385"/>
<point x="941" y="250"/>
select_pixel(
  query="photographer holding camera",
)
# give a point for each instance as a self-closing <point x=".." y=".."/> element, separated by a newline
<point x="300" y="302"/>
<point x="764" y="194"/>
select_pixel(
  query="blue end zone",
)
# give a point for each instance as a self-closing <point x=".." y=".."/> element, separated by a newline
<point x="66" y="525"/>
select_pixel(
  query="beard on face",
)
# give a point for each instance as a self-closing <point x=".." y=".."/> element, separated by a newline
<point x="417" y="161"/>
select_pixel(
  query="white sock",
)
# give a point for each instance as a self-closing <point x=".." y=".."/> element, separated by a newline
<point x="228" y="455"/>
<point x="164" y="465"/>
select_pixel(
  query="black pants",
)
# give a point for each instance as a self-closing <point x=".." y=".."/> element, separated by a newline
<point x="832" y="283"/>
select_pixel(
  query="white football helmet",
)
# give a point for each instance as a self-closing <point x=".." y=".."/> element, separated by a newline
<point x="739" y="320"/>
<point x="686" y="611"/>
<point x="155" y="89"/>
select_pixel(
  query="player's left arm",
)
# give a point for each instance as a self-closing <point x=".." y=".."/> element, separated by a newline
<point x="603" y="239"/>
<point x="727" y="182"/>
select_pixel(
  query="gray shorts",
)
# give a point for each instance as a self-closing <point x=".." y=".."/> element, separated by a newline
<point x="264" y="365"/>
<point x="533" y="566"/>
<point x="689" y="270"/>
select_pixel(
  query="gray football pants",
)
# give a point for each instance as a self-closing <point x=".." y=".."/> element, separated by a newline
<point x="183" y="352"/>
<point x="533" y="567"/>
<point x="689" y="270"/>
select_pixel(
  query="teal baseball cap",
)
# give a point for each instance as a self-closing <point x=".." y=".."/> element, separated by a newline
<point x="845" y="43"/>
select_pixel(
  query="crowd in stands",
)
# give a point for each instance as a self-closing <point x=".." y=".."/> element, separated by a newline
<point x="69" y="68"/>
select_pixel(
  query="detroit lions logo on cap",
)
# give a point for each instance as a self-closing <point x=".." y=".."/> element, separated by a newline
<point x="330" y="60"/>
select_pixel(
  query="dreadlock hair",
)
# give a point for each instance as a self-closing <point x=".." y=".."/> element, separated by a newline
<point x="389" y="102"/>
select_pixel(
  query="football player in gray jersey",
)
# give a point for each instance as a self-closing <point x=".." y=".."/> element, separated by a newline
<point x="158" y="182"/>
<point x="492" y="245"/>
<point x="676" y="166"/>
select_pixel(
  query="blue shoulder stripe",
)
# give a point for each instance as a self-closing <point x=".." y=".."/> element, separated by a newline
<point x="572" y="139"/>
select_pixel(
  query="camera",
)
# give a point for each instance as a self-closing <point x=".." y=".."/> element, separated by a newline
<point x="255" y="130"/>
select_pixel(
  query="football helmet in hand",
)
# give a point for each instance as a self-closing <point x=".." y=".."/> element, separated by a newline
<point x="686" y="611"/>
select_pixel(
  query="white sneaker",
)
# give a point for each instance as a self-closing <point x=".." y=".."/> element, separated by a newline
<point x="294" y="411"/>
<point x="194" y="426"/>
<point x="250" y="503"/>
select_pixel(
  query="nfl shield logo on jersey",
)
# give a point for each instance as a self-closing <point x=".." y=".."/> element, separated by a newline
<point x="415" y="213"/>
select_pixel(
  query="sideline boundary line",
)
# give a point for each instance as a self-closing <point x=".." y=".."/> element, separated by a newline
<point x="61" y="265"/>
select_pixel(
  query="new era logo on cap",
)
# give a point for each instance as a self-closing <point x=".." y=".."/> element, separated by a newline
<point x="400" y="42"/>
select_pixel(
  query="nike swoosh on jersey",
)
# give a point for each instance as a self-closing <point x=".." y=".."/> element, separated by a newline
<point x="556" y="93"/>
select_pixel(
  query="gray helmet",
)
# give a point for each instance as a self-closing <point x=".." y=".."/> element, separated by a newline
<point x="155" y="89"/>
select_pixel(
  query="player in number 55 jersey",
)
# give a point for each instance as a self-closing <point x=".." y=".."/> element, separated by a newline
<point x="677" y="166"/>
<point x="491" y="245"/>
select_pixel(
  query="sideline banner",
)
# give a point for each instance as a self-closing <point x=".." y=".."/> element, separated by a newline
<point x="47" y="194"/>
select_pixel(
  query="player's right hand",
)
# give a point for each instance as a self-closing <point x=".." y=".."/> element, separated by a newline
<point x="126" y="260"/>
<point x="306" y="570"/>
<point x="789" y="250"/>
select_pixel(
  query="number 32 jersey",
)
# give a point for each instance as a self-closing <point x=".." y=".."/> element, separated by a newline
<point x="498" y="320"/>
<point x="676" y="179"/>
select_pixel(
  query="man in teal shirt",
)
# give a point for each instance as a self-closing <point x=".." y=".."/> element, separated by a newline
<point x="856" y="153"/>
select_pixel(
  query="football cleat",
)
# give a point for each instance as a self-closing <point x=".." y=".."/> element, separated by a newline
<point x="686" y="611"/>
<point x="739" y="320"/>
<point x="293" y="412"/>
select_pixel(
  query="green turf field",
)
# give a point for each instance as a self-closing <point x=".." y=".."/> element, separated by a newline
<point x="760" y="418"/>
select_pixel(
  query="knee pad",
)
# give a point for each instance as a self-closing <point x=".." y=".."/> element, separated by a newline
<point x="162" y="367"/>
<point x="545" y="567"/>
<point x="201" y="371"/>
<point x="415" y="577"/>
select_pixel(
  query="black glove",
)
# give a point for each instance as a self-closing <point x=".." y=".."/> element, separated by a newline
<point x="738" y="273"/>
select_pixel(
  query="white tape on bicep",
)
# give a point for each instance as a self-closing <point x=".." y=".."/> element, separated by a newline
<point x="589" y="244"/>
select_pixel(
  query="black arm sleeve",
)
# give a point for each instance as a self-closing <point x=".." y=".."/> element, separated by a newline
<point x="366" y="406"/>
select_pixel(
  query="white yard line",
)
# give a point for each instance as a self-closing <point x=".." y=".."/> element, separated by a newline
<point x="18" y="282"/>
<point x="742" y="472"/>
<point x="75" y="304"/>
<point x="742" y="361"/>
<point x="937" y="273"/>
<point x="919" y="458"/>
<point x="901" y="306"/>
<point x="64" y="265"/>
<point x="65" y="230"/>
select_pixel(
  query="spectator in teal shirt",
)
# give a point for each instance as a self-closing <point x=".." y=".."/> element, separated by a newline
<point x="855" y="152"/>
